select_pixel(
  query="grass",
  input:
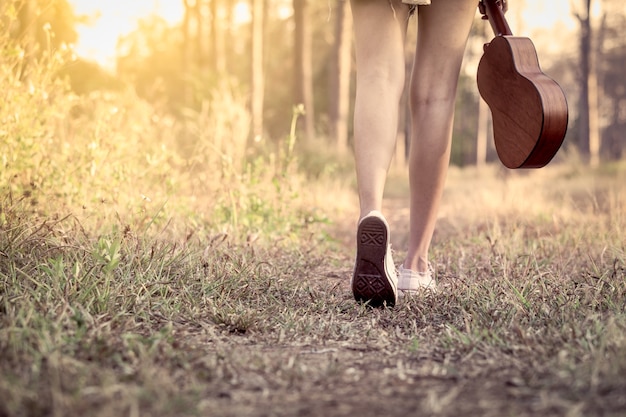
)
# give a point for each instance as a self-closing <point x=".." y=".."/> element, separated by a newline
<point x="151" y="266"/>
<point x="530" y="320"/>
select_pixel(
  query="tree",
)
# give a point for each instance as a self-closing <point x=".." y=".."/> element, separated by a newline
<point x="40" y="26"/>
<point x="304" y="65"/>
<point x="612" y="80"/>
<point x="258" y="73"/>
<point x="475" y="50"/>
<point x="589" y="129"/>
<point x="341" y="68"/>
<point x="151" y="58"/>
<point x="51" y="22"/>
<point x="218" y="35"/>
<point x="191" y="32"/>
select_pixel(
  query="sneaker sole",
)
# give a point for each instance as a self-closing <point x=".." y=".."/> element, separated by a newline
<point x="370" y="283"/>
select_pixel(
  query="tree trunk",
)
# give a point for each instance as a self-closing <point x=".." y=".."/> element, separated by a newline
<point x="340" y="77"/>
<point x="202" y="31"/>
<point x="189" y="35"/>
<point x="228" y="34"/>
<point x="304" y="65"/>
<point x="218" y="47"/>
<point x="27" y="35"/>
<point x="482" y="133"/>
<point x="589" y="135"/>
<point x="258" y="73"/>
<point x="594" y="113"/>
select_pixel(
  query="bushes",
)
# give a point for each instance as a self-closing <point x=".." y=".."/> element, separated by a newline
<point x="111" y="157"/>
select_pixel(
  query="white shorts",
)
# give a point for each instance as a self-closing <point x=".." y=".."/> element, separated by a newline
<point x="417" y="2"/>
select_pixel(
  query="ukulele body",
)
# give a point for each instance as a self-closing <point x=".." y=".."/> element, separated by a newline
<point x="529" y="109"/>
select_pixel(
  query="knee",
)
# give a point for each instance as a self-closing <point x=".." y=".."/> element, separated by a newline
<point x="438" y="100"/>
<point x="382" y="78"/>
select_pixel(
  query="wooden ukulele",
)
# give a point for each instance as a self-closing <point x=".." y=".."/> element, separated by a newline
<point x="528" y="108"/>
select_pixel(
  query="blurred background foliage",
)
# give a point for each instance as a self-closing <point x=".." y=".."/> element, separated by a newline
<point x="178" y="66"/>
<point x="214" y="98"/>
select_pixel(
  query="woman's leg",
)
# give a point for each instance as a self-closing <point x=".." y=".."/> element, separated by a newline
<point x="443" y="29"/>
<point x="380" y="30"/>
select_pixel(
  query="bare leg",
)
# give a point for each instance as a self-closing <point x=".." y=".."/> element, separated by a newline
<point x="380" y="31"/>
<point x="443" y="29"/>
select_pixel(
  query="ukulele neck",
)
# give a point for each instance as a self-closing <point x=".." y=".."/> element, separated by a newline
<point x="492" y="11"/>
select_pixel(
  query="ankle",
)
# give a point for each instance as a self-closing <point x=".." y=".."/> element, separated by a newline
<point x="419" y="264"/>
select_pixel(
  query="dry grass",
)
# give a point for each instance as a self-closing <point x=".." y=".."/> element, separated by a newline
<point x="159" y="267"/>
<point x="531" y="320"/>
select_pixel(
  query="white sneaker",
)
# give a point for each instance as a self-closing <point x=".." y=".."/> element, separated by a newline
<point x="417" y="2"/>
<point x="374" y="280"/>
<point x="411" y="282"/>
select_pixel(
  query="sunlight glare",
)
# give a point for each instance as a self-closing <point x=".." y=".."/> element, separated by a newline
<point x="242" y="14"/>
<point x="547" y="15"/>
<point x="114" y="18"/>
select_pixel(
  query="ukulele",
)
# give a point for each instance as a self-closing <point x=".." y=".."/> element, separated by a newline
<point x="528" y="108"/>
